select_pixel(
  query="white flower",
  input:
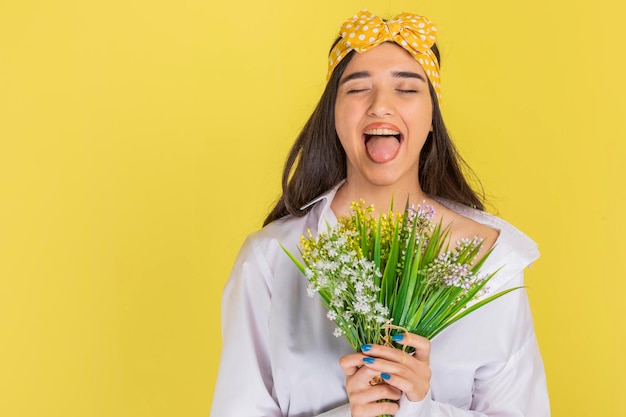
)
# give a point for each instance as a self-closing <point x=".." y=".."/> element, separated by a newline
<point x="381" y="309"/>
<point x="311" y="291"/>
<point x="380" y="319"/>
<point x="362" y="306"/>
<point x="337" y="302"/>
<point x="344" y="258"/>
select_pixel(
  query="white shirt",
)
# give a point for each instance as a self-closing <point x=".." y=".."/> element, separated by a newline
<point x="280" y="358"/>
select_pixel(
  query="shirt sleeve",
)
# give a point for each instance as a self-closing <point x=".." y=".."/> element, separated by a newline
<point x="518" y="391"/>
<point x="342" y="411"/>
<point x="245" y="387"/>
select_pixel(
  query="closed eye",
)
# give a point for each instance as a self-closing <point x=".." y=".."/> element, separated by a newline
<point x="356" y="90"/>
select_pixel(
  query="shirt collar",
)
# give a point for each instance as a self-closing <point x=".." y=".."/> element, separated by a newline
<point x="327" y="217"/>
<point x="328" y="195"/>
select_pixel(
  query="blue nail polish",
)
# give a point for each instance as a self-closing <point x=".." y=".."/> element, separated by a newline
<point x="368" y="359"/>
<point x="366" y="348"/>
<point x="385" y="376"/>
<point x="397" y="337"/>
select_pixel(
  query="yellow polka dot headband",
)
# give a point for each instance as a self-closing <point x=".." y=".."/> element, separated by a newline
<point x="414" y="33"/>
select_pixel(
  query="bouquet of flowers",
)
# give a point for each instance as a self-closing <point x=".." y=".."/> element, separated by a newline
<point x="397" y="272"/>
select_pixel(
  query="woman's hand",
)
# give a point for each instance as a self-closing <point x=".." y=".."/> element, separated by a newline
<point x="363" y="396"/>
<point x="401" y="372"/>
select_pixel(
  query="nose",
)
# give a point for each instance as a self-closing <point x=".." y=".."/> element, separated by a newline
<point x="381" y="104"/>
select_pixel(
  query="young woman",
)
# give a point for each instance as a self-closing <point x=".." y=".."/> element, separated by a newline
<point x="376" y="133"/>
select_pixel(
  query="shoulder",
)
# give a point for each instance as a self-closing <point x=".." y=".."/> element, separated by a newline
<point x="463" y="227"/>
<point x="267" y="244"/>
<point x="262" y="256"/>
<point x="513" y="250"/>
<point x="262" y="243"/>
<point x="286" y="230"/>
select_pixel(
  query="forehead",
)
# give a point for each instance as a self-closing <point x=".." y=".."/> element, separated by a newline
<point x="383" y="58"/>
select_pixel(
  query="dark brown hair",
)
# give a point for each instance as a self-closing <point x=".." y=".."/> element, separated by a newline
<point x="317" y="161"/>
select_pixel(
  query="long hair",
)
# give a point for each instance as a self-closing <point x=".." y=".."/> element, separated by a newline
<point x="317" y="161"/>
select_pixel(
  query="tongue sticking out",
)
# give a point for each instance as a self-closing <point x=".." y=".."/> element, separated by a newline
<point x="382" y="148"/>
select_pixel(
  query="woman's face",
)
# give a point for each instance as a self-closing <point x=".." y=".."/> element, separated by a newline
<point x="383" y="114"/>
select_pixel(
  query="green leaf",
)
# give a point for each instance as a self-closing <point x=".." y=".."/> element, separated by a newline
<point x="389" y="280"/>
<point x="295" y="260"/>
<point x="473" y="308"/>
<point x="377" y="250"/>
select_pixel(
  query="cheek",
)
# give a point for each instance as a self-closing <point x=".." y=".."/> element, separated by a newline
<point x="345" y="125"/>
<point x="420" y="118"/>
<point x="344" y="138"/>
<point x="338" y="118"/>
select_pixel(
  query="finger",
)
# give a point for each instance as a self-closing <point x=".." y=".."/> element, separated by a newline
<point x="414" y="388"/>
<point x="351" y="363"/>
<point x="365" y="392"/>
<point x="421" y="344"/>
<point x="408" y="374"/>
<point x="398" y="363"/>
<point x="407" y="368"/>
<point x="389" y="353"/>
<point x="364" y="397"/>
<point x="374" y="409"/>
<point x="361" y="379"/>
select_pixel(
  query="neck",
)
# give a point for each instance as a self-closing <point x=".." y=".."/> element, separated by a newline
<point x="380" y="196"/>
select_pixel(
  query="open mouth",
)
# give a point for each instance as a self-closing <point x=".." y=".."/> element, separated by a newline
<point x="369" y="134"/>
<point x="382" y="144"/>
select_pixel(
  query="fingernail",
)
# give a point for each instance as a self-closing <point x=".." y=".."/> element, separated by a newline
<point x="385" y="376"/>
<point x="366" y="348"/>
<point x="368" y="359"/>
<point x="397" y="337"/>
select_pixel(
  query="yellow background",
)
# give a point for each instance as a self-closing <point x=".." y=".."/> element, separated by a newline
<point x="140" y="141"/>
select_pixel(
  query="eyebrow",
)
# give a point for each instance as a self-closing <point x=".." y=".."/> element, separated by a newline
<point x="354" y="76"/>
<point x="408" y="74"/>
<point x="396" y="74"/>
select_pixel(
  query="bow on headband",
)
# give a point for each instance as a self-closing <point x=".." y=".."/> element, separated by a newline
<point x="414" y="33"/>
